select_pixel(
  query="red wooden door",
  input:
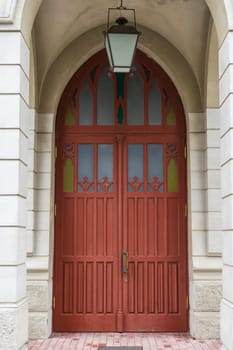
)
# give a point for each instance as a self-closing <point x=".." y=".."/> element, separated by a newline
<point x="153" y="235"/>
<point x="120" y="241"/>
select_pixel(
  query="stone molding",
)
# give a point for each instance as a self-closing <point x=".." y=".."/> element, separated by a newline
<point x="7" y="11"/>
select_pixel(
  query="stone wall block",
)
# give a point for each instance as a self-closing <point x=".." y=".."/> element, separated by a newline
<point x="226" y="83"/>
<point x="227" y="210"/>
<point x="212" y="118"/>
<point x="227" y="146"/>
<point x="226" y="53"/>
<point x="198" y="221"/>
<point x="228" y="283"/>
<point x="38" y="325"/>
<point x="12" y="283"/>
<point x="12" y="334"/>
<point x="14" y="81"/>
<point x="214" y="242"/>
<point x="196" y="122"/>
<point x="206" y="325"/>
<point x="207" y="296"/>
<point x="226" y="115"/>
<point x="37" y="295"/>
<point x="45" y="122"/>
<point x="227" y="324"/>
<point x="12" y="247"/>
<point x="227" y="179"/>
<point x="199" y="243"/>
<point x="197" y="180"/>
<point x="213" y="178"/>
<point x="213" y="138"/>
<point x="197" y="162"/>
<point x="228" y="248"/>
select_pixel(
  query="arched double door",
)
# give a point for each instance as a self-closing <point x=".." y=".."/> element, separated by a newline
<point x="120" y="234"/>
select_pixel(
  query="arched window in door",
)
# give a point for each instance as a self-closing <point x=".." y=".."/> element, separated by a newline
<point x="141" y="98"/>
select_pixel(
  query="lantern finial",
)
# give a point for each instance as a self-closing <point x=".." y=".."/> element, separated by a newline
<point x="121" y="39"/>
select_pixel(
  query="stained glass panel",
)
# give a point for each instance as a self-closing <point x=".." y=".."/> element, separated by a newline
<point x="172" y="176"/>
<point x="171" y="118"/>
<point x="68" y="176"/>
<point x="69" y="117"/>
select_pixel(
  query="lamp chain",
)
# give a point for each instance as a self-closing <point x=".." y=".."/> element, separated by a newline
<point x="122" y="7"/>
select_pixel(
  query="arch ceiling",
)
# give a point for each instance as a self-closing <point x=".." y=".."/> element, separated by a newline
<point x="183" y="23"/>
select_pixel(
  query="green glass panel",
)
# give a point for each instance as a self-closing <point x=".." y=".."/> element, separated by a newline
<point x="120" y="115"/>
<point x="171" y="118"/>
<point x="69" y="119"/>
<point x="172" y="177"/>
<point x="120" y="77"/>
<point x="68" y="179"/>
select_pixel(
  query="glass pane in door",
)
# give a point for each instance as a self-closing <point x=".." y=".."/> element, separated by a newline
<point x="155" y="168"/>
<point x="135" y="168"/>
<point x="85" y="168"/>
<point x="105" y="168"/>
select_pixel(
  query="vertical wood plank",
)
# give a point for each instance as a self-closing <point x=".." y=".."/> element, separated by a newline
<point x="151" y="287"/>
<point x="100" y="287"/>
<point x="90" y="227"/>
<point x="140" y="287"/>
<point x="109" y="287"/>
<point x="89" y="287"/>
<point x="68" y="227"/>
<point x="160" y="288"/>
<point x="172" y="226"/>
<point x="131" y="288"/>
<point x="100" y="217"/>
<point x="173" y="290"/>
<point x="80" y="240"/>
<point x="151" y="224"/>
<point x="68" y="287"/>
<point x="80" y="288"/>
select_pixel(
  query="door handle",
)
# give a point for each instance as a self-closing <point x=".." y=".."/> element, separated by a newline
<point x="125" y="262"/>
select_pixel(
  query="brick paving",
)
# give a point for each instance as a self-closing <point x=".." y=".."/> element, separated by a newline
<point x="149" y="341"/>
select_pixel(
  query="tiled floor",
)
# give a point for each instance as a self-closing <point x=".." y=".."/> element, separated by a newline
<point x="149" y="341"/>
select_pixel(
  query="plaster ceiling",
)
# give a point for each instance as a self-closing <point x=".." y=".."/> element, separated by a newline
<point x="184" y="23"/>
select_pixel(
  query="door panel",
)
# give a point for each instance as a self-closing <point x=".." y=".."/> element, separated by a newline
<point x="87" y="246"/>
<point x="152" y="238"/>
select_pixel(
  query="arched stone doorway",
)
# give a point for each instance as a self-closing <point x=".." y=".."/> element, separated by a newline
<point x="121" y="232"/>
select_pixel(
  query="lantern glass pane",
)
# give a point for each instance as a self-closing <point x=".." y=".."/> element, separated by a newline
<point x="108" y="51"/>
<point x="120" y="49"/>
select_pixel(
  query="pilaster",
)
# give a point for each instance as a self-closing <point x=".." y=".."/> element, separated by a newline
<point x="14" y="95"/>
<point x="39" y="284"/>
<point x="226" y="101"/>
<point x="205" y="270"/>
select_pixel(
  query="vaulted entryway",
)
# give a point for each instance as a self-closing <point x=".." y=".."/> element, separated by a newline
<point x="120" y="236"/>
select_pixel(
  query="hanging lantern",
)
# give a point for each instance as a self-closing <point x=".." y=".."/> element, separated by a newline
<point x="121" y="40"/>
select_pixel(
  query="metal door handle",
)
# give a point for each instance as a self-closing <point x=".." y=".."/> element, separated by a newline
<point x="124" y="262"/>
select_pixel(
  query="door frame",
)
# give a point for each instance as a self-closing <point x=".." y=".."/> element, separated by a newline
<point x="60" y="111"/>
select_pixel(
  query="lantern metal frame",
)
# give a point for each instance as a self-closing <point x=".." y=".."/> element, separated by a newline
<point x="121" y="28"/>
